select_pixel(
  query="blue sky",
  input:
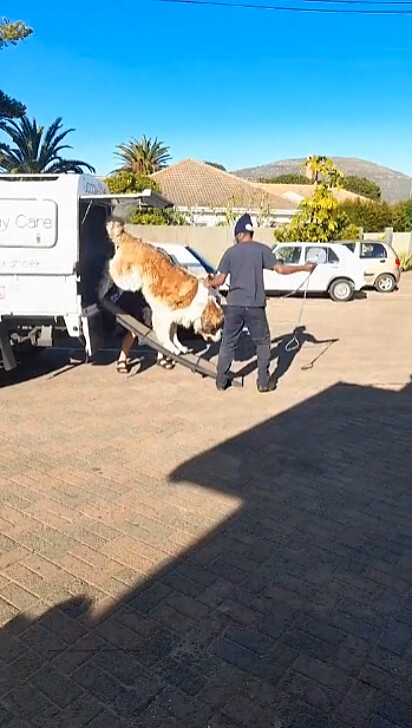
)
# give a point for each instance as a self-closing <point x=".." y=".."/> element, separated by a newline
<point x="240" y="87"/>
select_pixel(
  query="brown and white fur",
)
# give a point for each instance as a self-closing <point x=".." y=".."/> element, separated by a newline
<point x="176" y="297"/>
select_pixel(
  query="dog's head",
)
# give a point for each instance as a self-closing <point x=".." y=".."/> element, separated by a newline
<point x="115" y="230"/>
<point x="209" y="326"/>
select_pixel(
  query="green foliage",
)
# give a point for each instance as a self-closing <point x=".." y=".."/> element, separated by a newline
<point x="143" y="157"/>
<point x="374" y="215"/>
<point x="10" y="108"/>
<point x="406" y="207"/>
<point x="399" y="217"/>
<point x="351" y="232"/>
<point x="216" y="165"/>
<point x="319" y="218"/>
<point x="286" y="179"/>
<point x="323" y="170"/>
<point x="12" y="32"/>
<point x="37" y="149"/>
<point x="362" y="186"/>
<point x="406" y="261"/>
<point x="122" y="183"/>
<point x="154" y="216"/>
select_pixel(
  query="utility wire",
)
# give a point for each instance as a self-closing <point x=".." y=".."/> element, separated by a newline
<point x="294" y="9"/>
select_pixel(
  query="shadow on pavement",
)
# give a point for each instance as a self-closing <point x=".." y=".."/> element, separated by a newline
<point x="295" y="612"/>
<point x="288" y="347"/>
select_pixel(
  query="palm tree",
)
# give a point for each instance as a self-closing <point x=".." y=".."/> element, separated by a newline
<point x="10" y="108"/>
<point x="143" y="157"/>
<point x="37" y="149"/>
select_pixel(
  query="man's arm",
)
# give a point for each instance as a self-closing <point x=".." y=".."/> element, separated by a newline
<point x="215" y="281"/>
<point x="287" y="270"/>
<point x="218" y="279"/>
<point x="270" y="262"/>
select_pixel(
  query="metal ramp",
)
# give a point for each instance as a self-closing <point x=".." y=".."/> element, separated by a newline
<point x="147" y="336"/>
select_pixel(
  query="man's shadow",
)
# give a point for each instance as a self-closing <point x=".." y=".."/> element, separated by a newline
<point x="287" y="348"/>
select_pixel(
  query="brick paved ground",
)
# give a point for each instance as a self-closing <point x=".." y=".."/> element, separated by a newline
<point x="170" y="556"/>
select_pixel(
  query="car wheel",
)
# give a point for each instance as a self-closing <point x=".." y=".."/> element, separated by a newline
<point x="385" y="283"/>
<point x="341" y="290"/>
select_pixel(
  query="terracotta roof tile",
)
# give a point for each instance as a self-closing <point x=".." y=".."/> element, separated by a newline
<point x="195" y="184"/>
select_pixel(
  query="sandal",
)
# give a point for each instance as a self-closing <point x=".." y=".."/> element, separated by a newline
<point x="166" y="363"/>
<point x="123" y="366"/>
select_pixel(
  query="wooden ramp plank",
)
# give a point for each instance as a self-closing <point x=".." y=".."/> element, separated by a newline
<point x="147" y="336"/>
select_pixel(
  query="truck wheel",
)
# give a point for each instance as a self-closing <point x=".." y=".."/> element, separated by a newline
<point x="385" y="283"/>
<point x="341" y="290"/>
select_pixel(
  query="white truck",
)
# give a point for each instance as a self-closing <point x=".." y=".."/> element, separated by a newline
<point x="53" y="250"/>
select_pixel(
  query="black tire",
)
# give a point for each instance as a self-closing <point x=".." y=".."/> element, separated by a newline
<point x="385" y="283"/>
<point x="341" y="290"/>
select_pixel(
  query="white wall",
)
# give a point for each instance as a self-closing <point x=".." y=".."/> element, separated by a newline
<point x="212" y="242"/>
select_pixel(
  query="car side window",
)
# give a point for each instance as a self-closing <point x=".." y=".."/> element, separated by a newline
<point x="350" y="246"/>
<point x="332" y="257"/>
<point x="289" y="254"/>
<point x="316" y="254"/>
<point x="373" y="250"/>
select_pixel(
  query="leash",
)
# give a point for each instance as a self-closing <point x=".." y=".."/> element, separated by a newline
<point x="293" y="344"/>
<point x="311" y="364"/>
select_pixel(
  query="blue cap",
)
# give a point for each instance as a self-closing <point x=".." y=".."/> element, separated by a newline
<point x="244" y="225"/>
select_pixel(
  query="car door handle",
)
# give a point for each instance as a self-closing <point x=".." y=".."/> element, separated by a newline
<point x="382" y="261"/>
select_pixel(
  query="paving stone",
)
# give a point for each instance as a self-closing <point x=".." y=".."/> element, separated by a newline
<point x="223" y="564"/>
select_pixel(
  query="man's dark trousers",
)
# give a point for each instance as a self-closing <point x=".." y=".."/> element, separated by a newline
<point x="236" y="318"/>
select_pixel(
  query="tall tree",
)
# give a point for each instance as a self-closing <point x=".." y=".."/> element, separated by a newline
<point x="10" y="34"/>
<point x="143" y="157"/>
<point x="319" y="218"/>
<point x="35" y="149"/>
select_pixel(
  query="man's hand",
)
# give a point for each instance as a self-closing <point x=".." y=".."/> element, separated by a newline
<point x="214" y="281"/>
<point x="309" y="267"/>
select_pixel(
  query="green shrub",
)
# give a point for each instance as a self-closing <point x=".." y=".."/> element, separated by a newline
<point x="361" y="186"/>
<point x="123" y="183"/>
<point x="406" y="261"/>
<point x="154" y="216"/>
<point x="287" y="179"/>
<point x="374" y="215"/>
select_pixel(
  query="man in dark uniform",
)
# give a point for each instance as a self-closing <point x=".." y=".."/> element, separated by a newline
<point x="246" y="301"/>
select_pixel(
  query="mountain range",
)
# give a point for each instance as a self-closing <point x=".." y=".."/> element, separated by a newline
<point x="395" y="186"/>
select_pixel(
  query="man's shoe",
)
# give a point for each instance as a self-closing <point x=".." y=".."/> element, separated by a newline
<point x="269" y="387"/>
<point x="223" y="387"/>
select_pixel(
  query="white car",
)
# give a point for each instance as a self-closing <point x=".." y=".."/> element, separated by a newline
<point x="338" y="272"/>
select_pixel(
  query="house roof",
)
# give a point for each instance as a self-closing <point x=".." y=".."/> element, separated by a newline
<point x="292" y="195"/>
<point x="195" y="184"/>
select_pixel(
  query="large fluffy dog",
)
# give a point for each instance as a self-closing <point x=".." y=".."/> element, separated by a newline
<point x="176" y="297"/>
